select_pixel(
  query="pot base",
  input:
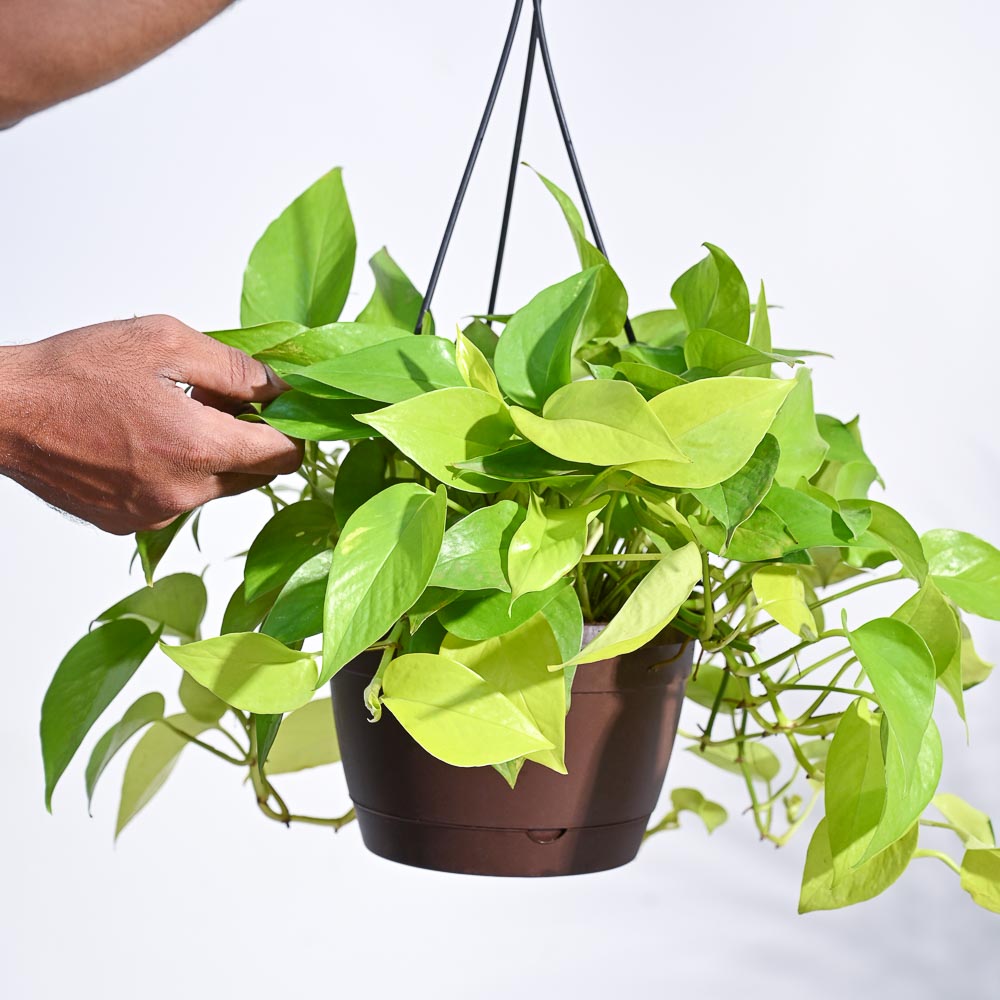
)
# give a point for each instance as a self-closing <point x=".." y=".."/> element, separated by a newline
<point x="471" y="850"/>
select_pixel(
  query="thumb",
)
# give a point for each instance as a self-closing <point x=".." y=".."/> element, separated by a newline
<point x="224" y="371"/>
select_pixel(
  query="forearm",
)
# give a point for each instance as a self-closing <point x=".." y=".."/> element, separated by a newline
<point x="51" y="50"/>
<point x="11" y="429"/>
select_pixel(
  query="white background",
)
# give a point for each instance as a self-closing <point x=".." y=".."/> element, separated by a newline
<point x="846" y="152"/>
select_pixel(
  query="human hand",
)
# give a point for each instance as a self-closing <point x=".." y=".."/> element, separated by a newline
<point x="94" y="422"/>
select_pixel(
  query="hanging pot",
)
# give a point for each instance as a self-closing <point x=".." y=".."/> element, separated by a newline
<point x="417" y="810"/>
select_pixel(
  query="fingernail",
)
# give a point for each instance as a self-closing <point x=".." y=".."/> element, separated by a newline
<point x="273" y="380"/>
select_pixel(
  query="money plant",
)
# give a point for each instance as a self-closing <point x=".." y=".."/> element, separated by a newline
<point x="469" y="498"/>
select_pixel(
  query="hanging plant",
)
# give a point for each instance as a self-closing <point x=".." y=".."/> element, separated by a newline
<point x="488" y="530"/>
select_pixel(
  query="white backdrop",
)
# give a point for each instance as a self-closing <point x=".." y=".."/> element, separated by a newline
<point x="845" y="152"/>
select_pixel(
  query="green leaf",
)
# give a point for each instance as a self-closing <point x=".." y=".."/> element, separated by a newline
<point x="906" y="801"/>
<point x="975" y="669"/>
<point x="610" y="304"/>
<point x="649" y="608"/>
<point x="395" y="301"/>
<point x="324" y="343"/>
<point x="981" y="877"/>
<point x="427" y="605"/>
<point x="762" y="536"/>
<point x="307" y="738"/>
<point x="308" y="418"/>
<point x="140" y="714"/>
<point x="829" y="883"/>
<point x="301" y="268"/>
<point x="717" y="423"/>
<point x="848" y="472"/>
<point x="243" y="616"/>
<point x="713" y="294"/>
<point x="534" y="355"/>
<point x="151" y="762"/>
<point x="890" y="531"/>
<point x="517" y="665"/>
<point x="473" y="551"/>
<point x="249" y="671"/>
<point x="782" y="595"/>
<point x="199" y="702"/>
<point x="152" y="545"/>
<point x="760" y="335"/>
<point x="176" y="604"/>
<point x="935" y="621"/>
<point x="454" y="714"/>
<point x="967" y="569"/>
<point x="691" y="800"/>
<point x="296" y="533"/>
<point x="483" y="337"/>
<point x="760" y="761"/>
<point x="475" y="369"/>
<point x="667" y="359"/>
<point x="855" y="782"/>
<point x="565" y="618"/>
<point x="266" y="728"/>
<point x="255" y="339"/>
<point x="381" y="565"/>
<point x="525" y="463"/>
<point x="649" y="380"/>
<point x="972" y="826"/>
<point x="812" y="518"/>
<point x="548" y="544"/>
<point x="598" y="422"/>
<point x="87" y="680"/>
<point x="732" y="501"/>
<point x="298" y="610"/>
<point x="902" y="673"/>
<point x="361" y="475"/>
<point x="440" y="429"/>
<point x="391" y="371"/>
<point x="716" y="352"/>
<point x="660" y="328"/>
<point x="802" y="446"/>
<point x="488" y="613"/>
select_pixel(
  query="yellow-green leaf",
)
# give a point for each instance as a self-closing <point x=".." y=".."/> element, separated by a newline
<point x="782" y="595"/>
<point x="517" y="664"/>
<point x="151" y="762"/>
<point x="437" y="430"/>
<point x="249" y="671"/>
<point x="599" y="422"/>
<point x="981" y="877"/>
<point x="830" y="883"/>
<point x="454" y="714"/>
<point x="717" y="423"/>
<point x="380" y="567"/>
<point x="307" y="738"/>
<point x="649" y="608"/>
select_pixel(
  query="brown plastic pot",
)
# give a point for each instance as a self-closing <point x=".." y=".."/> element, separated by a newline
<point x="417" y="810"/>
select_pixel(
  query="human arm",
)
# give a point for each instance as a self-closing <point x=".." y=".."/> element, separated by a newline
<point x="51" y="50"/>
<point x="94" y="422"/>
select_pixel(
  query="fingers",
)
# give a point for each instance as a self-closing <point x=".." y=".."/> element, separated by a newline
<point x="227" y="445"/>
<point x="217" y="369"/>
<point x="232" y="406"/>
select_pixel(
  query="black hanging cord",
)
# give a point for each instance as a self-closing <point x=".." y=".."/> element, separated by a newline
<point x="487" y="113"/>
<point x="515" y="162"/>
<point x="568" y="142"/>
<point x="537" y="38"/>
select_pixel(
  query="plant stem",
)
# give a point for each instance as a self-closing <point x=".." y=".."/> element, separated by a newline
<point x="926" y="852"/>
<point x="204" y="746"/>
<point x="708" y="625"/>
<point x="622" y="557"/>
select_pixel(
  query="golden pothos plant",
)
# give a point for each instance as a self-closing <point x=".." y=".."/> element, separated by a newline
<point x="467" y="502"/>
